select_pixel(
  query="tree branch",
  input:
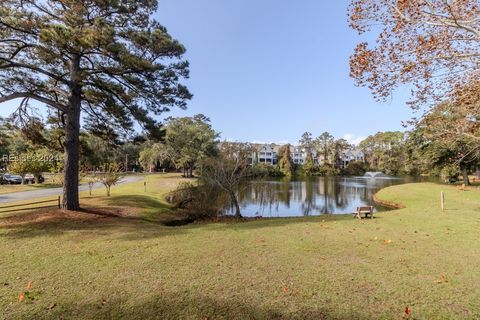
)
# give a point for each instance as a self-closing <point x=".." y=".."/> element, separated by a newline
<point x="33" y="96"/>
<point x="33" y="68"/>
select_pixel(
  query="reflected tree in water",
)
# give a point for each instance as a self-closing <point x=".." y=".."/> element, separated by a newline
<point x="310" y="196"/>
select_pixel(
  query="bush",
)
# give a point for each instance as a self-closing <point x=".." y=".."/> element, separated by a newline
<point x="450" y="173"/>
<point x="200" y="201"/>
<point x="355" y="168"/>
<point x="309" y="168"/>
<point x="327" y="170"/>
<point x="267" y="170"/>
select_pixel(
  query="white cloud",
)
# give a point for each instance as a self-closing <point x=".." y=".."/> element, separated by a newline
<point x="352" y="139"/>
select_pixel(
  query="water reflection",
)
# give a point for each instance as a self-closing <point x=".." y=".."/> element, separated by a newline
<point x="312" y="196"/>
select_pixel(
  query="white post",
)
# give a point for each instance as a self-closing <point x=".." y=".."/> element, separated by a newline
<point x="442" y="200"/>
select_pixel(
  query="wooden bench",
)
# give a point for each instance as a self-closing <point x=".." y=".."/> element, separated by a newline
<point x="368" y="211"/>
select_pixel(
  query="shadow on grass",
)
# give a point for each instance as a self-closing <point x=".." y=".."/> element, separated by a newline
<point x="152" y="218"/>
<point x="277" y="222"/>
<point x="190" y="306"/>
<point x="90" y="223"/>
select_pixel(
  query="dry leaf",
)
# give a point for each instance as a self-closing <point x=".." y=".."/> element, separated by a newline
<point x="407" y="311"/>
<point x="442" y="279"/>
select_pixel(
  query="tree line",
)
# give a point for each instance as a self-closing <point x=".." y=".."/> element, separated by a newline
<point x="107" y="65"/>
<point x="433" y="47"/>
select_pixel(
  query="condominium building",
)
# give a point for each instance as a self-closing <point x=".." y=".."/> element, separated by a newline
<point x="351" y="155"/>
<point x="269" y="154"/>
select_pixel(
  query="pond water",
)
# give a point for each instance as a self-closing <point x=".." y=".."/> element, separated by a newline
<point x="313" y="196"/>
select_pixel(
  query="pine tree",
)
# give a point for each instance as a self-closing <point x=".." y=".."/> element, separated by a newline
<point x="107" y="60"/>
<point x="285" y="163"/>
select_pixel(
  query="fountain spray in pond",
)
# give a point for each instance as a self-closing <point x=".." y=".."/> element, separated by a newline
<point x="375" y="175"/>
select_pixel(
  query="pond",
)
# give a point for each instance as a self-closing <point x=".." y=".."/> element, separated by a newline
<point x="313" y="196"/>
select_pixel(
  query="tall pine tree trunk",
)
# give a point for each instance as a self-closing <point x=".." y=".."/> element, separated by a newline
<point x="72" y="135"/>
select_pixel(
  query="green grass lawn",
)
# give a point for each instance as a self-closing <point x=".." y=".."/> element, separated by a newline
<point x="84" y="266"/>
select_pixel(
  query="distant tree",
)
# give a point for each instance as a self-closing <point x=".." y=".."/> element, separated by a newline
<point x="446" y="149"/>
<point x="107" y="59"/>
<point x="285" y="163"/>
<point x="17" y="144"/>
<point x="416" y="153"/>
<point x="190" y="140"/>
<point x="32" y="162"/>
<point x="91" y="178"/>
<point x="339" y="147"/>
<point x="5" y="138"/>
<point x="111" y="174"/>
<point x="432" y="46"/>
<point x="307" y="142"/>
<point x="20" y="168"/>
<point x="384" y="151"/>
<point x="128" y="153"/>
<point x="95" y="151"/>
<point x="229" y="171"/>
<point x="152" y="155"/>
<point x="309" y="167"/>
<point x="458" y="118"/>
<point x="325" y="143"/>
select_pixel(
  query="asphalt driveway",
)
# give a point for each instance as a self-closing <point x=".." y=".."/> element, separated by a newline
<point x="44" y="193"/>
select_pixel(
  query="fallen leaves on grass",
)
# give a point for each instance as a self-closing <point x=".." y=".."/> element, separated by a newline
<point x="28" y="296"/>
<point x="442" y="279"/>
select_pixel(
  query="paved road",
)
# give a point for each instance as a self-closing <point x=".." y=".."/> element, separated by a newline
<point x="52" y="192"/>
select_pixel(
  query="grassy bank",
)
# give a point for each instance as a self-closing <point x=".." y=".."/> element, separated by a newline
<point x="87" y="266"/>
<point x="143" y="199"/>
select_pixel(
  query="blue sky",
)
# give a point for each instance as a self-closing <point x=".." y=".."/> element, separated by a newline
<point x="269" y="70"/>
